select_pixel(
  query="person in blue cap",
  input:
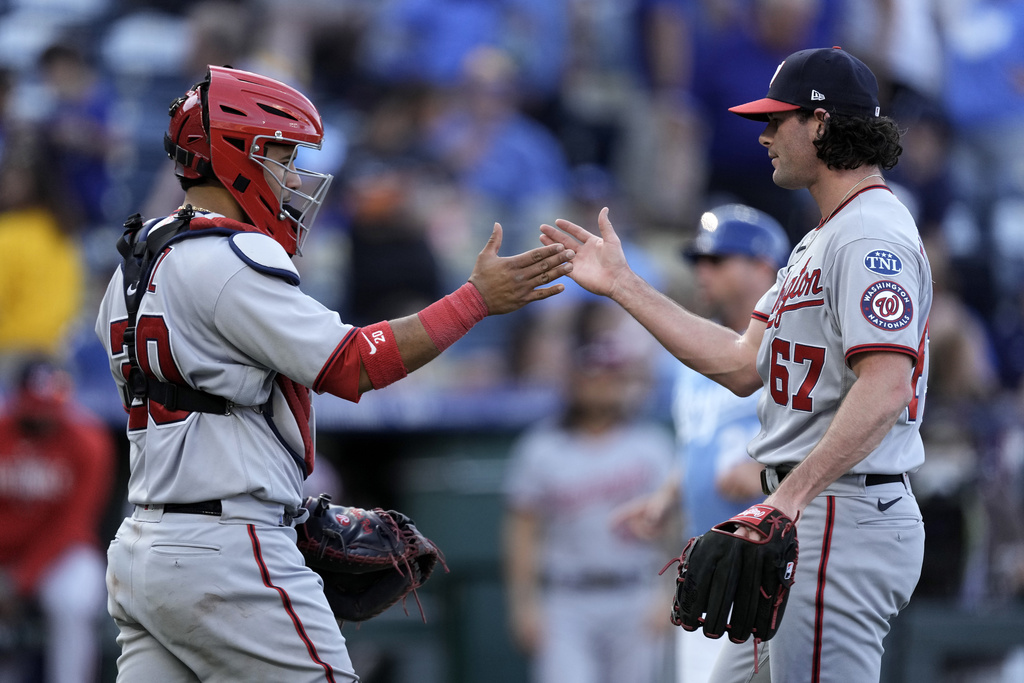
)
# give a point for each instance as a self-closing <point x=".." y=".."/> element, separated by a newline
<point x="736" y="255"/>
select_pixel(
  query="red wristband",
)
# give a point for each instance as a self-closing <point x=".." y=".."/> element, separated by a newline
<point x="378" y="351"/>
<point x="448" y="320"/>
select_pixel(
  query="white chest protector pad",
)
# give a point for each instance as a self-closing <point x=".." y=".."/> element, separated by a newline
<point x="263" y="253"/>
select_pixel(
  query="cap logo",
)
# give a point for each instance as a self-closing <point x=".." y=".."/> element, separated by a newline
<point x="777" y="70"/>
<point x="816" y="96"/>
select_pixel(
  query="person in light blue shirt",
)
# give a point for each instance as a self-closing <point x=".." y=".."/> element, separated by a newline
<point x="735" y="255"/>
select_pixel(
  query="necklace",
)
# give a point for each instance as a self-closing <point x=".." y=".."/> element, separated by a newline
<point x="194" y="208"/>
<point x="848" y="193"/>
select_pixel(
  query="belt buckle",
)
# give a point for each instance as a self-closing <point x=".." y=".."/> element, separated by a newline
<point x="294" y="518"/>
<point x="769" y="480"/>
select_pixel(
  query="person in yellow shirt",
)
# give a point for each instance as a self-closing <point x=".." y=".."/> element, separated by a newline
<point x="42" y="271"/>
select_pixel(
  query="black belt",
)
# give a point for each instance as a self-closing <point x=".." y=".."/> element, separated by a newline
<point x="876" y="479"/>
<point x="869" y="479"/>
<point x="207" y="507"/>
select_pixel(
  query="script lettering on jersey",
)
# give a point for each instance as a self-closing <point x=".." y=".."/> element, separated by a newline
<point x="616" y="486"/>
<point x="31" y="476"/>
<point x="799" y="291"/>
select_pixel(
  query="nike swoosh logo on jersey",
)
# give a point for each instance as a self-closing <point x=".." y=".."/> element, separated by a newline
<point x="373" y="349"/>
<point x="882" y="507"/>
<point x="131" y="289"/>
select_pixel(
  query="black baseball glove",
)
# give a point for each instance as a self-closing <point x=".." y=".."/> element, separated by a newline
<point x="721" y="572"/>
<point x="368" y="559"/>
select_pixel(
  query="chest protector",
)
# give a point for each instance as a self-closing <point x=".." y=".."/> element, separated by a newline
<point x="139" y="246"/>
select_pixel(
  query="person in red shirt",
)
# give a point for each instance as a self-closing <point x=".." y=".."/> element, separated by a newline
<point x="56" y="469"/>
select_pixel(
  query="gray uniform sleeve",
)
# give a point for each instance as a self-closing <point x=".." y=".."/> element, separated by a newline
<point x="881" y="303"/>
<point x="277" y="325"/>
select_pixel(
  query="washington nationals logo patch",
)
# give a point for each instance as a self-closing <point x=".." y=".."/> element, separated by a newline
<point x="883" y="262"/>
<point x="887" y="305"/>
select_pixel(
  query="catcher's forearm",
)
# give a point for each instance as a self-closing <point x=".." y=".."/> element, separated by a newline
<point x="421" y="337"/>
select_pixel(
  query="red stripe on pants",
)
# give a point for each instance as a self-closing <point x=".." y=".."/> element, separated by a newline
<point x="287" y="602"/>
<point x="819" y="597"/>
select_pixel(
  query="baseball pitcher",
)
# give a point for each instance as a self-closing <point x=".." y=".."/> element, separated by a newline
<point x="840" y="346"/>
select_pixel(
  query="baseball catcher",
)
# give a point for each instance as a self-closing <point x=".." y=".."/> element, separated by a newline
<point x="368" y="559"/>
<point x="723" y="571"/>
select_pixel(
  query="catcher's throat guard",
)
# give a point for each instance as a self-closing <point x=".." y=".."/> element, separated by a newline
<point x="368" y="559"/>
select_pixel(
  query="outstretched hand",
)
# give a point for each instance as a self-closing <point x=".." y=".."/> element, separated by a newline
<point x="600" y="261"/>
<point x="646" y="518"/>
<point x="509" y="283"/>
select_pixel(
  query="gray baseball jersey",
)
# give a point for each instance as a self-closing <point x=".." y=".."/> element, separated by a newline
<point x="860" y="282"/>
<point x="224" y="314"/>
<point x="575" y="483"/>
<point x="592" y="571"/>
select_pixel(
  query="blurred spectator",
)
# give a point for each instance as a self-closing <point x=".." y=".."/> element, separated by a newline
<point x="736" y="254"/>
<point x="41" y="265"/>
<point x="584" y="598"/>
<point x="79" y="125"/>
<point x="218" y="32"/>
<point x="510" y="167"/>
<point x="389" y="208"/>
<point x="393" y="271"/>
<point x="311" y="43"/>
<point x="660" y="159"/>
<point x="964" y="432"/>
<point x="599" y="83"/>
<point x="984" y="96"/>
<point x="899" y="40"/>
<point x="739" y="45"/>
<point x="221" y="33"/>
<point x="924" y="168"/>
<point x="6" y="86"/>
<point x="429" y="41"/>
<point x="56" y="469"/>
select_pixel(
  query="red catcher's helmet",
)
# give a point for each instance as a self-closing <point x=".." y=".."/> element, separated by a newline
<point x="220" y="129"/>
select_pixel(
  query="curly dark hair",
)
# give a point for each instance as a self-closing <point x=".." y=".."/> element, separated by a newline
<point x="850" y="142"/>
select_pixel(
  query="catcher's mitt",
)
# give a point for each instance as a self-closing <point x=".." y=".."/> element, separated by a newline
<point x="720" y="571"/>
<point x="368" y="559"/>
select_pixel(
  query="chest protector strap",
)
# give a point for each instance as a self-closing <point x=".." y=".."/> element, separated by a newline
<point x="139" y="246"/>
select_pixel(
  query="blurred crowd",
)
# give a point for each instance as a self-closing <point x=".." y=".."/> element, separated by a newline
<point x="444" y="116"/>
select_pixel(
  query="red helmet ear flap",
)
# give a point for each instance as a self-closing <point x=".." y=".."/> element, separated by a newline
<point x="187" y="140"/>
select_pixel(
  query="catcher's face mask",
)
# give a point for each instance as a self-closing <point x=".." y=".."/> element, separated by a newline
<point x="220" y="130"/>
<point x="300" y="192"/>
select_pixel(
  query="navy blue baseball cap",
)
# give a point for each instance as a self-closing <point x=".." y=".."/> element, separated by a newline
<point x="827" y="78"/>
<point x="739" y="230"/>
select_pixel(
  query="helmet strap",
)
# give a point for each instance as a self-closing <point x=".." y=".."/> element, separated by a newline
<point x="187" y="159"/>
